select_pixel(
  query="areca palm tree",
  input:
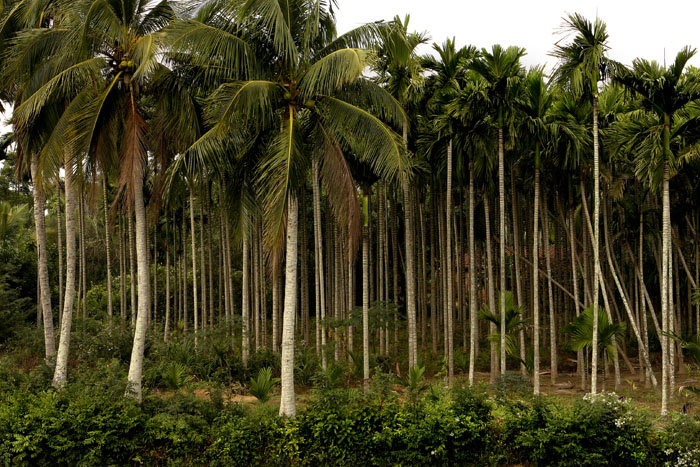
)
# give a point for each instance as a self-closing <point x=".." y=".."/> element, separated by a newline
<point x="583" y="63"/>
<point x="307" y="94"/>
<point x="400" y="72"/>
<point x="659" y="135"/>
<point x="501" y="69"/>
<point x="448" y="80"/>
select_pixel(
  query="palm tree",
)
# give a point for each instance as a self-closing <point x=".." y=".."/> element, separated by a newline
<point x="582" y="64"/>
<point x="501" y="69"/>
<point x="658" y="137"/>
<point x="400" y="72"/>
<point x="112" y="50"/>
<point x="306" y="90"/>
<point x="446" y="87"/>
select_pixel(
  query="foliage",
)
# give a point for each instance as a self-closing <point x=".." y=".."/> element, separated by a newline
<point x="261" y="385"/>
<point x="581" y="331"/>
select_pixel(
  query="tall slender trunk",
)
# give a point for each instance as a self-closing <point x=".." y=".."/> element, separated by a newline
<point x="304" y="259"/>
<point x="122" y="270"/>
<point x="166" y="332"/>
<point x="82" y="295"/>
<point x="185" y="316"/>
<point x="502" y="236"/>
<point x="256" y="285"/>
<point x="666" y="232"/>
<point x="449" y="301"/>
<point x="60" y="372"/>
<point x="132" y="266"/>
<point x="287" y="401"/>
<point x="245" y="294"/>
<point x="574" y="280"/>
<point x="473" y="309"/>
<point x="155" y="272"/>
<point x="516" y="250"/>
<point x="275" y="312"/>
<point x="195" y="296"/>
<point x="491" y="291"/>
<point x="596" y="245"/>
<point x="59" y="231"/>
<point x="202" y="262"/>
<point x="136" y="364"/>
<point x="42" y="260"/>
<point x="319" y="269"/>
<point x="365" y="294"/>
<point x="210" y="218"/>
<point x="550" y="297"/>
<point x="108" y="249"/>
<point x="536" y="286"/>
<point x="410" y="265"/>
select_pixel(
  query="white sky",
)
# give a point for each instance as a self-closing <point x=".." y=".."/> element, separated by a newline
<point x="637" y="28"/>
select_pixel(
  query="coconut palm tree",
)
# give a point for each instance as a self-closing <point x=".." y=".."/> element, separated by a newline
<point x="107" y="52"/>
<point x="502" y="71"/>
<point x="307" y="94"/>
<point x="659" y="135"/>
<point x="582" y="64"/>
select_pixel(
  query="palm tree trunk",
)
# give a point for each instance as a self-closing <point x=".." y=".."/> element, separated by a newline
<point x="536" y="286"/>
<point x="166" y="332"/>
<point x="304" y="259"/>
<point x="550" y="297"/>
<point x="666" y="231"/>
<point x="410" y="265"/>
<point x="59" y="231"/>
<point x="433" y="276"/>
<point x="132" y="267"/>
<point x="275" y="311"/>
<point x="42" y="260"/>
<point x="185" y="316"/>
<point x="319" y="269"/>
<point x="210" y="218"/>
<point x="122" y="270"/>
<point x="193" y="236"/>
<point x="516" y="249"/>
<point x="155" y="272"/>
<point x="82" y="294"/>
<point x="473" y="309"/>
<point x="449" y="301"/>
<point x="491" y="292"/>
<point x="502" y="236"/>
<point x="365" y="294"/>
<point x="60" y="372"/>
<point x="256" y="285"/>
<point x="202" y="262"/>
<point x="574" y="279"/>
<point x="108" y="250"/>
<point x="136" y="365"/>
<point x="596" y="247"/>
<point x="287" y="401"/>
<point x="245" y="293"/>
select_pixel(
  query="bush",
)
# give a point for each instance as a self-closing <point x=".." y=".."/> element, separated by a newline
<point x="679" y="441"/>
<point x="598" y="430"/>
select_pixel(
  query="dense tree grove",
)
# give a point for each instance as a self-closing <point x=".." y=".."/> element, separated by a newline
<point x="237" y="172"/>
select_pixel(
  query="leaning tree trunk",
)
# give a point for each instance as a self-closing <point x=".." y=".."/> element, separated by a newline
<point x="449" y="301"/>
<point x="516" y="252"/>
<point x="136" y="364"/>
<point x="59" y="375"/>
<point x="108" y="250"/>
<point x="472" y="280"/>
<point x="287" y="401"/>
<point x="42" y="260"/>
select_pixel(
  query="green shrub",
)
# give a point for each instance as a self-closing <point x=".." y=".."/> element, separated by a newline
<point x="598" y="430"/>
<point x="679" y="441"/>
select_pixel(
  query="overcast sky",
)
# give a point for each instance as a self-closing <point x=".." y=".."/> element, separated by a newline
<point x="637" y="28"/>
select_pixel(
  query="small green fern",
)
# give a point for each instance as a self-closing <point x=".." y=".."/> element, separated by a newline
<point x="175" y="375"/>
